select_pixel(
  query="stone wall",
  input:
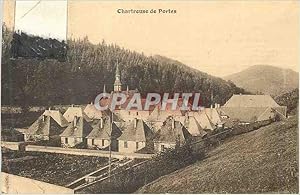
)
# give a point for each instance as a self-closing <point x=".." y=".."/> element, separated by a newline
<point x="86" y="152"/>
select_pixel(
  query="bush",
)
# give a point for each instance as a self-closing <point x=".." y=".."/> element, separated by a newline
<point x="11" y="135"/>
<point x="54" y="141"/>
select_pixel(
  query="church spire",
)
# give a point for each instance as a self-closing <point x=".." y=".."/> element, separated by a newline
<point x="118" y="84"/>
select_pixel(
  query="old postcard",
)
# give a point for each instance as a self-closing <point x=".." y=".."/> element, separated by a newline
<point x="154" y="96"/>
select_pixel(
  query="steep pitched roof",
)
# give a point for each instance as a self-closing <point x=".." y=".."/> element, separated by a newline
<point x="92" y="112"/>
<point x="281" y="110"/>
<point x="172" y="133"/>
<point x="129" y="114"/>
<point x="116" y="118"/>
<point x="191" y="124"/>
<point x="138" y="132"/>
<point x="105" y="131"/>
<point x="161" y="115"/>
<point x="44" y="125"/>
<point x="266" y="114"/>
<point x="57" y="116"/>
<point x="251" y="101"/>
<point x="251" y="114"/>
<point x="204" y="120"/>
<point x="194" y="127"/>
<point x="213" y="115"/>
<point x="247" y="114"/>
<point x="78" y="128"/>
<point x="75" y="111"/>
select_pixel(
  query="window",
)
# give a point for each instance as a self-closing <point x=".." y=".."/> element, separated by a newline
<point x="137" y="113"/>
<point x="125" y="144"/>
<point x="93" y="142"/>
<point x="103" y="142"/>
<point x="66" y="140"/>
<point x="137" y="145"/>
<point x="163" y="147"/>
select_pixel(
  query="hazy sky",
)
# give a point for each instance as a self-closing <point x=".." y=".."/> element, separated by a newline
<point x="48" y="18"/>
<point x="219" y="38"/>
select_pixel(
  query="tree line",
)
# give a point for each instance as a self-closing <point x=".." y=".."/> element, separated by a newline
<point x="87" y="67"/>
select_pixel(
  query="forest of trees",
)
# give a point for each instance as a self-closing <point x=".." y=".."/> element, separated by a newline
<point x="87" y="67"/>
<point x="29" y="46"/>
<point x="291" y="100"/>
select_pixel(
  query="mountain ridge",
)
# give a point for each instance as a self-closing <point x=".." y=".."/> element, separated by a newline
<point x="266" y="79"/>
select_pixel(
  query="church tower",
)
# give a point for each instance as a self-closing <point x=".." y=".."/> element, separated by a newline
<point x="118" y="84"/>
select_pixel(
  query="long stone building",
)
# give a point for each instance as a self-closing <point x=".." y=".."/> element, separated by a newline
<point x="252" y="108"/>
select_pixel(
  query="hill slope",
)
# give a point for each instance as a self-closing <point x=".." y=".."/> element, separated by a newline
<point x="261" y="161"/>
<point x="266" y="79"/>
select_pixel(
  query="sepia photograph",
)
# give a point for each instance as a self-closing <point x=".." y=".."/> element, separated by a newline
<point x="149" y="97"/>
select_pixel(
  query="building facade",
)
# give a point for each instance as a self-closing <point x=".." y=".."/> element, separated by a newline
<point x="136" y="135"/>
<point x="75" y="133"/>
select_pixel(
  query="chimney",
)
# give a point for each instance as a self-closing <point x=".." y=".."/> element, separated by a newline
<point x="104" y="90"/>
<point x="72" y="105"/>
<point x="173" y="123"/>
<point x="101" y="123"/>
<point x="75" y="121"/>
<point x="127" y="91"/>
<point x="211" y="106"/>
<point x="216" y="105"/>
<point x="91" y="103"/>
<point x="49" y="108"/>
<point x="135" y="122"/>
<point x="44" y="117"/>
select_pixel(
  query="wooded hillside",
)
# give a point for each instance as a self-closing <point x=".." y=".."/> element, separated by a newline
<point x="88" y="67"/>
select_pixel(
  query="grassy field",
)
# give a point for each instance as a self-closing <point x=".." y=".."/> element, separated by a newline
<point x="261" y="161"/>
<point x="57" y="169"/>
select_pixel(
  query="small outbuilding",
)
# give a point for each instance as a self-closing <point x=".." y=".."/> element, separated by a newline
<point x="76" y="132"/>
<point x="48" y="126"/>
<point x="136" y="135"/>
<point x="104" y="134"/>
<point x="172" y="134"/>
